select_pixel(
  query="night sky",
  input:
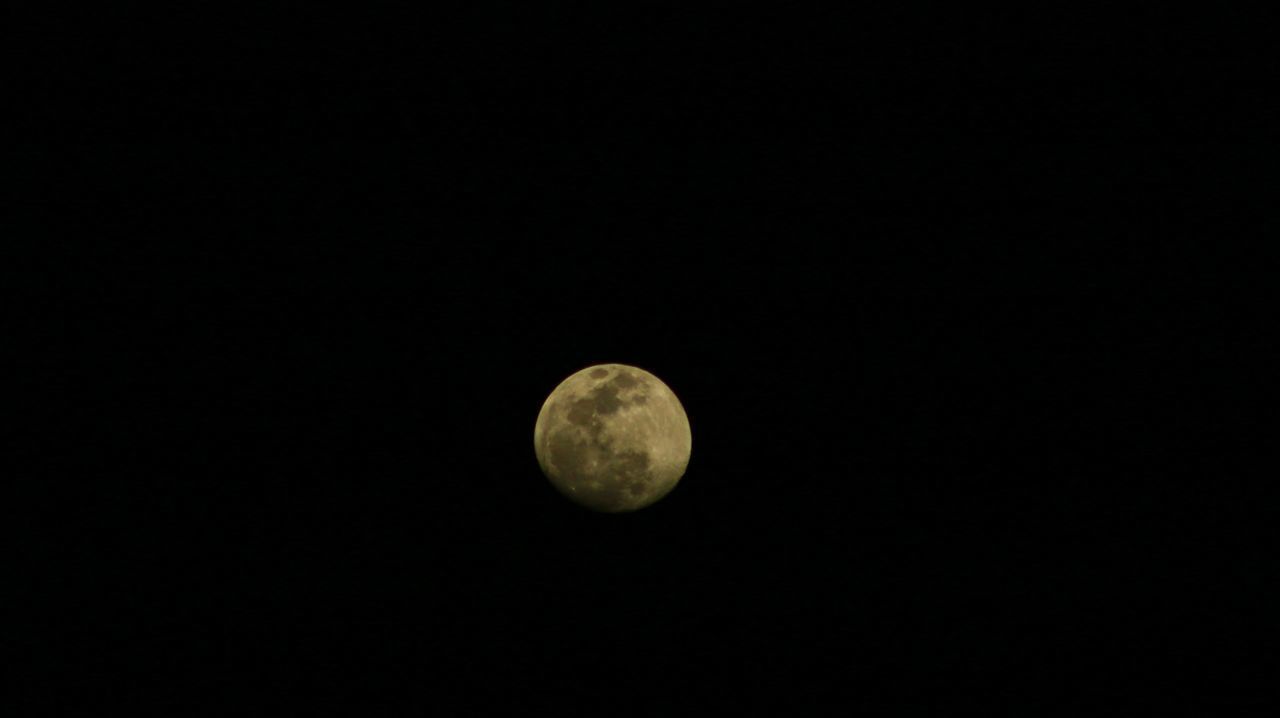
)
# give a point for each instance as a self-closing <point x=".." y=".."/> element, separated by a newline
<point x="965" y="421"/>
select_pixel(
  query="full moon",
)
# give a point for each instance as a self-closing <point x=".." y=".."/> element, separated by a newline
<point x="612" y="438"/>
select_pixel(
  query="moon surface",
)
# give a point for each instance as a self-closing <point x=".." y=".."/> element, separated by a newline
<point x="613" y="438"/>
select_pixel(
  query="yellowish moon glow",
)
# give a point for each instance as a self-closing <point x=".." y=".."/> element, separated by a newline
<point x="613" y="438"/>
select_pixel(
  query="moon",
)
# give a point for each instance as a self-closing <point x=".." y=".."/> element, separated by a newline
<point x="613" y="438"/>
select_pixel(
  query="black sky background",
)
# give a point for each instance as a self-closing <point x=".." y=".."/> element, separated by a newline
<point x="934" y="293"/>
